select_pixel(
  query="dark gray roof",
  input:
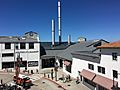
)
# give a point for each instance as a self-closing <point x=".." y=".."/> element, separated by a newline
<point x="87" y="53"/>
<point x="48" y="45"/>
<point x="82" y="46"/>
<point x="76" y="47"/>
<point x="64" y="51"/>
<point x="87" y="56"/>
<point x="51" y="53"/>
<point x="13" y="39"/>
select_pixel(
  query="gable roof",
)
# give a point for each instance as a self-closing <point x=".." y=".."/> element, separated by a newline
<point x="85" y="46"/>
<point x="110" y="45"/>
<point x="82" y="46"/>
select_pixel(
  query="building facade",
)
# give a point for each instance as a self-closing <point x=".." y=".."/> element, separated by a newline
<point x="26" y="48"/>
<point x="99" y="71"/>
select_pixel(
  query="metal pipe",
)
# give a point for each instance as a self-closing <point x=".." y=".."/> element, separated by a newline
<point x="59" y="21"/>
<point x="53" y="32"/>
<point x="69" y="39"/>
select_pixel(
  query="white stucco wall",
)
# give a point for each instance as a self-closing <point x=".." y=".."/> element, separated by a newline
<point x="26" y="54"/>
<point x="106" y="61"/>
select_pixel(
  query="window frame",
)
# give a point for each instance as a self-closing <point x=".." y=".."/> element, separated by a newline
<point x="31" y="45"/>
<point x="115" y="73"/>
<point x="7" y="45"/>
<point x="23" y="45"/>
<point x="90" y="66"/>
<point x="101" y="69"/>
<point x="114" y="56"/>
<point x="7" y="54"/>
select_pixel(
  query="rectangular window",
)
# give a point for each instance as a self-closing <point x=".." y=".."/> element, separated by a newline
<point x="22" y="46"/>
<point x="101" y="70"/>
<point x="91" y="66"/>
<point x="114" y="56"/>
<point x="115" y="74"/>
<point x="7" y="45"/>
<point x="7" y="55"/>
<point x="31" y="45"/>
<point x="16" y="46"/>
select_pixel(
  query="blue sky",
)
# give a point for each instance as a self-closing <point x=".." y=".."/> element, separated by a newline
<point x="93" y="19"/>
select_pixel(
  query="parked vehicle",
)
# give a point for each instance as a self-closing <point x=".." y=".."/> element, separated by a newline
<point x="22" y="80"/>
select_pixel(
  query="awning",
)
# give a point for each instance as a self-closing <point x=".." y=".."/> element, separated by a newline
<point x="67" y="63"/>
<point x="104" y="82"/>
<point x="87" y="74"/>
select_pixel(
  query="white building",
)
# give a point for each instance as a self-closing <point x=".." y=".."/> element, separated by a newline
<point x="98" y="70"/>
<point x="27" y="48"/>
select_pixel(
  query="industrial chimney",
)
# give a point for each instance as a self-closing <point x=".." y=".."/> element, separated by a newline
<point x="53" y="32"/>
<point x="69" y="39"/>
<point x="59" y="21"/>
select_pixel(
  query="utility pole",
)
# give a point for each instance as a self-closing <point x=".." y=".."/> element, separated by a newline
<point x="56" y="70"/>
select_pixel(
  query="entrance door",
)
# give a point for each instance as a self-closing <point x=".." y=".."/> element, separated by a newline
<point x="47" y="63"/>
<point x="61" y="63"/>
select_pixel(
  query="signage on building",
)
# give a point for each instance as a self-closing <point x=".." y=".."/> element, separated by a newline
<point x="32" y="63"/>
<point x="27" y="52"/>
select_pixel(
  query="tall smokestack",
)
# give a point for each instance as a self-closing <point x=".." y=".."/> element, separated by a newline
<point x="59" y="21"/>
<point x="53" y="32"/>
<point x="69" y="39"/>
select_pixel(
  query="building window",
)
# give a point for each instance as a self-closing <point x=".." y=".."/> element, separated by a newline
<point x="31" y="45"/>
<point x="16" y="46"/>
<point x="114" y="56"/>
<point x="68" y="68"/>
<point x="7" y="45"/>
<point x="115" y="74"/>
<point x="91" y="66"/>
<point x="7" y="65"/>
<point x="101" y="70"/>
<point x="7" y="55"/>
<point x="22" y="46"/>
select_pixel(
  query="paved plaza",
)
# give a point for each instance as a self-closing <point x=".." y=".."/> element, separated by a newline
<point x="46" y="83"/>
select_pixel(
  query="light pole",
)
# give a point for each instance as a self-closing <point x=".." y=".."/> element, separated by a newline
<point x="56" y="69"/>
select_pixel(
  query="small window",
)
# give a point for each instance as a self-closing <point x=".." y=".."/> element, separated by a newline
<point x="115" y="74"/>
<point x="7" y="55"/>
<point x="22" y="46"/>
<point x="91" y="66"/>
<point x="114" y="56"/>
<point x="31" y="45"/>
<point x="16" y="46"/>
<point x="7" y="45"/>
<point x="101" y="70"/>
